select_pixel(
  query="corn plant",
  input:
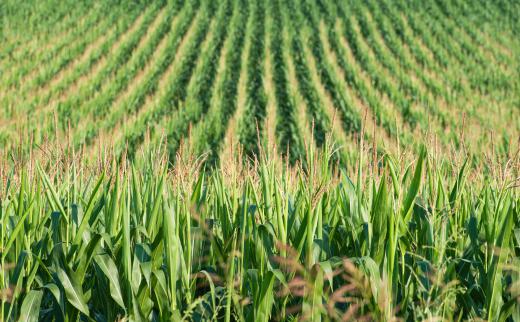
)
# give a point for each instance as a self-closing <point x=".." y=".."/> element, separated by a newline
<point x="139" y="242"/>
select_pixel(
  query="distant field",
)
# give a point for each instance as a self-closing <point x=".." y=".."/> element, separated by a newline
<point x="282" y="72"/>
<point x="260" y="160"/>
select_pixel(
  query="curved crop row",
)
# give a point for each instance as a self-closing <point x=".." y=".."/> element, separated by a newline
<point x="27" y="70"/>
<point x="486" y="76"/>
<point x="319" y="118"/>
<point x="251" y="125"/>
<point x="393" y="37"/>
<point x="148" y="86"/>
<point x="82" y="68"/>
<point x="176" y="88"/>
<point x="116" y="61"/>
<point x="19" y="49"/>
<point x="60" y="62"/>
<point x="37" y="121"/>
<point x="102" y="103"/>
<point x="469" y="26"/>
<point x="378" y="80"/>
<point x="446" y="51"/>
<point x="406" y="92"/>
<point x="211" y="130"/>
<point x="470" y="47"/>
<point x="490" y="15"/>
<point x="200" y="88"/>
<point x="342" y="102"/>
<point x="428" y="68"/>
<point x="29" y="94"/>
<point x="397" y="63"/>
<point x="421" y="58"/>
<point x="286" y="127"/>
<point x="351" y="76"/>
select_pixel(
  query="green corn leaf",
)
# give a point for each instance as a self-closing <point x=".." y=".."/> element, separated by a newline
<point x="109" y="268"/>
<point x="73" y="291"/>
<point x="495" y="271"/>
<point x="265" y="298"/>
<point x="51" y="194"/>
<point x="31" y="306"/>
<point x="414" y="187"/>
<point x="88" y="211"/>
<point x="16" y="231"/>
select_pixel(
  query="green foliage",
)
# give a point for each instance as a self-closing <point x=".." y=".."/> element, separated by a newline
<point x="163" y="225"/>
<point x="252" y="122"/>
<point x="151" y="245"/>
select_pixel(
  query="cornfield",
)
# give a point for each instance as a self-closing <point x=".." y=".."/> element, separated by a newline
<point x="253" y="160"/>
